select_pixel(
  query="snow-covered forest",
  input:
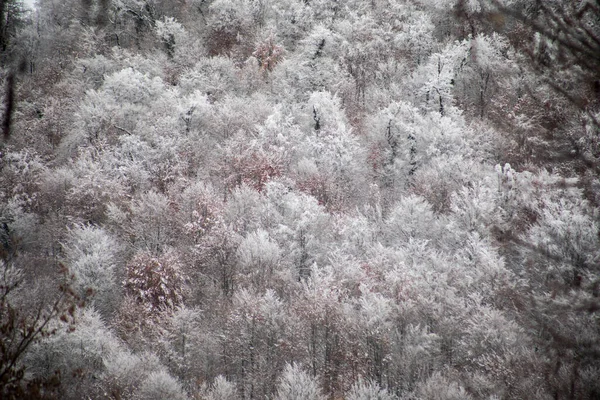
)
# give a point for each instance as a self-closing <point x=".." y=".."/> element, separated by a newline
<point x="300" y="199"/>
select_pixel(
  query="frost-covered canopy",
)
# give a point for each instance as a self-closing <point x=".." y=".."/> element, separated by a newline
<point x="300" y="199"/>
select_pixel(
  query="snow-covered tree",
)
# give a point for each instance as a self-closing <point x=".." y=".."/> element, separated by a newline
<point x="91" y="254"/>
<point x="295" y="384"/>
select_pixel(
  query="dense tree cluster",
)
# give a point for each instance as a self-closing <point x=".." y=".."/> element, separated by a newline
<point x="300" y="199"/>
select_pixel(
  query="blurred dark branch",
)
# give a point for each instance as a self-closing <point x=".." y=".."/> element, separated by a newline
<point x="9" y="106"/>
<point x="20" y="328"/>
<point x="577" y="44"/>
